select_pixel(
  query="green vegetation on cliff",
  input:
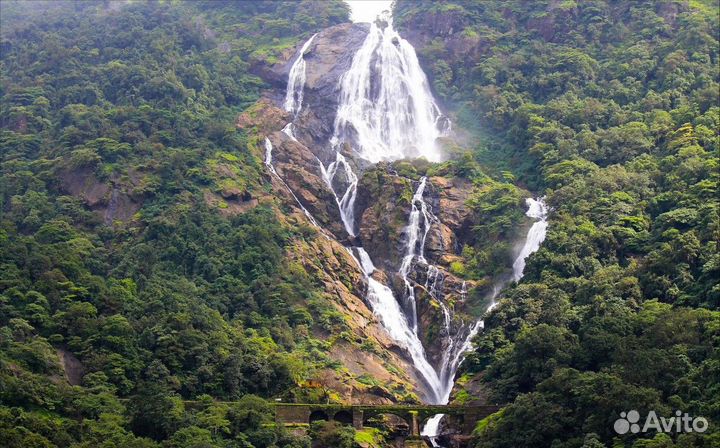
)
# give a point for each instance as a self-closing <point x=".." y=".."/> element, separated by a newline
<point x="611" y="110"/>
<point x="116" y="274"/>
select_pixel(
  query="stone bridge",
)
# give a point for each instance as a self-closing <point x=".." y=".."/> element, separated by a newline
<point x="463" y="418"/>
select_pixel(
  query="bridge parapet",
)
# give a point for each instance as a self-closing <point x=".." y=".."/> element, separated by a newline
<point x="464" y="417"/>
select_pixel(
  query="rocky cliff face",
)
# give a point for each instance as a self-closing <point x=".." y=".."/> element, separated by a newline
<point x="367" y="350"/>
<point x="382" y="208"/>
<point x="328" y="57"/>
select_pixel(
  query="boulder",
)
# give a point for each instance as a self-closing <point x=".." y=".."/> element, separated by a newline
<point x="115" y="200"/>
<point x="382" y="209"/>
<point x="453" y="212"/>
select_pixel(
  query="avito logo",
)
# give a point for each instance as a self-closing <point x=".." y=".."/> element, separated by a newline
<point x="681" y="422"/>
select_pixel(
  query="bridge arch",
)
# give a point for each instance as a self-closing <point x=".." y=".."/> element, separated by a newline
<point x="318" y="414"/>
<point x="344" y="417"/>
<point x="395" y="423"/>
<point x="423" y="419"/>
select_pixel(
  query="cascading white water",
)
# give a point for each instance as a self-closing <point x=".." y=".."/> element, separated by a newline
<point x="418" y="217"/>
<point x="346" y="201"/>
<point x="296" y="81"/>
<point x="427" y="217"/>
<point x="432" y="428"/>
<point x="450" y="362"/>
<point x="534" y="238"/>
<point x="268" y="155"/>
<point x="339" y="175"/>
<point x="386" y="112"/>
<point x="289" y="130"/>
<point x="536" y="210"/>
<point x="386" y="109"/>
<point x="419" y="223"/>
<point x="386" y="306"/>
<point x="294" y="95"/>
<point x="433" y="280"/>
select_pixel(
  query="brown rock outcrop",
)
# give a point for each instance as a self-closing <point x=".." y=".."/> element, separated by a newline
<point x="453" y="212"/>
<point x="112" y="200"/>
<point x="382" y="208"/>
<point x="264" y="117"/>
<point x="300" y="169"/>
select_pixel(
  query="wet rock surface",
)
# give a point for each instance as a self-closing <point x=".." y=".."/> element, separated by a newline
<point x="327" y="58"/>
<point x="382" y="208"/>
<point x="452" y="211"/>
<point x="300" y="169"/>
<point x="454" y="440"/>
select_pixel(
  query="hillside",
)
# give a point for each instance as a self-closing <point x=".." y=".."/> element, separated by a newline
<point x="208" y="207"/>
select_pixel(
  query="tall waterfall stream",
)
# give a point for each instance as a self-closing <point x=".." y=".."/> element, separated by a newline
<point x="397" y="120"/>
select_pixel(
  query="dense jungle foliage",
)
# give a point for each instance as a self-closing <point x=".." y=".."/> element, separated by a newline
<point x="177" y="301"/>
<point x="155" y="307"/>
<point x="611" y="110"/>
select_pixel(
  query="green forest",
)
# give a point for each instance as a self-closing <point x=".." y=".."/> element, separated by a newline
<point x="611" y="109"/>
<point x="136" y="312"/>
<point x="178" y="302"/>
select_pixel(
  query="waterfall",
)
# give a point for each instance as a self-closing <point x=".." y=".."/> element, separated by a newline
<point x="268" y="155"/>
<point x="386" y="108"/>
<point x="268" y="163"/>
<point x="432" y="428"/>
<point x="289" y="130"/>
<point x="385" y="112"/>
<point x="418" y="217"/>
<point x="387" y="308"/>
<point x="419" y="223"/>
<point x="536" y="210"/>
<point x="294" y="95"/>
<point x="433" y="280"/>
<point x="534" y="238"/>
<point x="345" y="201"/>
<point x="296" y="81"/>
